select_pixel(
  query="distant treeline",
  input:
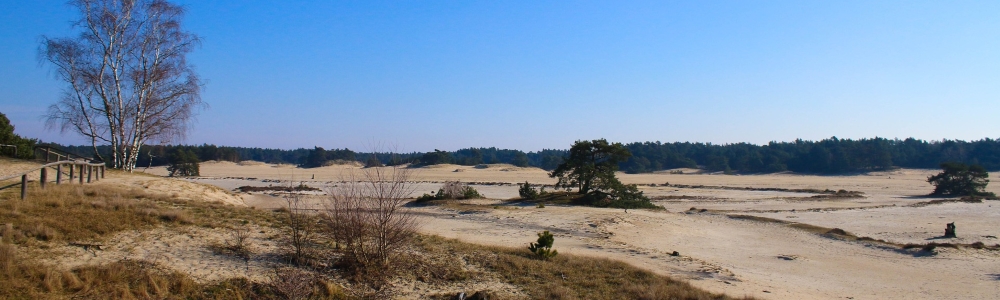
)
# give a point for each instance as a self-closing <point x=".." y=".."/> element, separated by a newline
<point x="828" y="156"/>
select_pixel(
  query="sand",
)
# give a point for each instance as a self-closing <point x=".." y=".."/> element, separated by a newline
<point x="718" y="253"/>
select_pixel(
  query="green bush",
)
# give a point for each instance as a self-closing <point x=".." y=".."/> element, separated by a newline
<point x="182" y="162"/>
<point x="543" y="248"/>
<point x="621" y="196"/>
<point x="471" y="193"/>
<point x="452" y="190"/>
<point x="527" y="192"/>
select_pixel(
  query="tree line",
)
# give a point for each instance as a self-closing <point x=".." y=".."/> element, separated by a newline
<point x="828" y="156"/>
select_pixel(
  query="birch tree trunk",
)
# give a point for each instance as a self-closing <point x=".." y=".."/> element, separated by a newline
<point x="128" y="78"/>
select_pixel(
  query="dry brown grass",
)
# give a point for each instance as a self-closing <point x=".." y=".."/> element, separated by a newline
<point x="74" y="213"/>
<point x="86" y="213"/>
<point x="566" y="276"/>
<point x="136" y="280"/>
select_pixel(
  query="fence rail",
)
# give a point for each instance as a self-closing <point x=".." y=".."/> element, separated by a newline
<point x="47" y="152"/>
<point x="84" y="167"/>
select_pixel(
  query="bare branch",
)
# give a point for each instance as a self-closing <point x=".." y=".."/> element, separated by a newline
<point x="129" y="81"/>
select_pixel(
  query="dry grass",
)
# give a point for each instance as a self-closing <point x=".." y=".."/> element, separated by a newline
<point x="566" y="276"/>
<point x="834" y="233"/>
<point x="837" y="233"/>
<point x="87" y="213"/>
<point x="74" y="213"/>
<point x="137" y="280"/>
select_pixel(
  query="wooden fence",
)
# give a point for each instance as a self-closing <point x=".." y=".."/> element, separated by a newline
<point x="93" y="171"/>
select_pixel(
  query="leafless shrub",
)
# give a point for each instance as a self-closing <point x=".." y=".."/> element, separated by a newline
<point x="453" y="189"/>
<point x="238" y="243"/>
<point x="366" y="218"/>
<point x="292" y="283"/>
<point x="300" y="233"/>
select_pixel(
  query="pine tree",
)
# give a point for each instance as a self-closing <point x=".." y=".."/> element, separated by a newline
<point x="543" y="248"/>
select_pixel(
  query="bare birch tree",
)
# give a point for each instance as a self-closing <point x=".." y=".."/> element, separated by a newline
<point x="129" y="81"/>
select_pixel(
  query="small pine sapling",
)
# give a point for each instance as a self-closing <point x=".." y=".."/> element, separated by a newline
<point x="543" y="248"/>
<point x="527" y="192"/>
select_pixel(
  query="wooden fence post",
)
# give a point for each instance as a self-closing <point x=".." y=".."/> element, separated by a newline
<point x="90" y="171"/>
<point x="102" y="171"/>
<point x="24" y="186"/>
<point x="48" y="151"/>
<point x="72" y="173"/>
<point x="58" y="174"/>
<point x="81" y="174"/>
<point x="43" y="177"/>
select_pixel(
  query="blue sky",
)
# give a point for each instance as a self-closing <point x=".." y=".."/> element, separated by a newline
<point x="538" y="74"/>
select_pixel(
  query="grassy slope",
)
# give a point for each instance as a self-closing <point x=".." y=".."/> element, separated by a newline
<point x="93" y="213"/>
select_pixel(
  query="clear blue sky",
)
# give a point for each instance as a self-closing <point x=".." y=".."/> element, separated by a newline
<point x="538" y="74"/>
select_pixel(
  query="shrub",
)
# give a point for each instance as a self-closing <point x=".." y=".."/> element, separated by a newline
<point x="182" y="162"/>
<point x="543" y="248"/>
<point x="527" y="192"/>
<point x="471" y="193"/>
<point x="620" y="196"/>
<point x="452" y="190"/>
<point x="238" y="242"/>
<point x="291" y="283"/>
<point x="299" y="236"/>
<point x="366" y="220"/>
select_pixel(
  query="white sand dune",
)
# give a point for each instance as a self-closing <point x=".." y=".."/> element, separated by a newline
<point x="718" y="253"/>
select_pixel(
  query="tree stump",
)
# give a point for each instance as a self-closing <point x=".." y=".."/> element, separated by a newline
<point x="949" y="232"/>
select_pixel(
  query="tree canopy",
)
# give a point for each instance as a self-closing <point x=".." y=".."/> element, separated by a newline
<point x="828" y="156"/>
<point x="14" y="145"/>
<point x="591" y="166"/>
<point x="958" y="179"/>
<point x="127" y="79"/>
<point x="183" y="163"/>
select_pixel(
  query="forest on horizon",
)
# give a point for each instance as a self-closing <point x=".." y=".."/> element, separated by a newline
<point x="828" y="156"/>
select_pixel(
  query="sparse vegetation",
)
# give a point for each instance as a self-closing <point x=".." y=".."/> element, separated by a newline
<point x="96" y="212"/>
<point x="567" y="276"/>
<point x="366" y="219"/>
<point x="590" y="168"/>
<point x="451" y="190"/>
<point x="238" y="243"/>
<point x="299" y="229"/>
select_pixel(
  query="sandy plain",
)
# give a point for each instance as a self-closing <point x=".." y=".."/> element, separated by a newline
<point x="717" y="252"/>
